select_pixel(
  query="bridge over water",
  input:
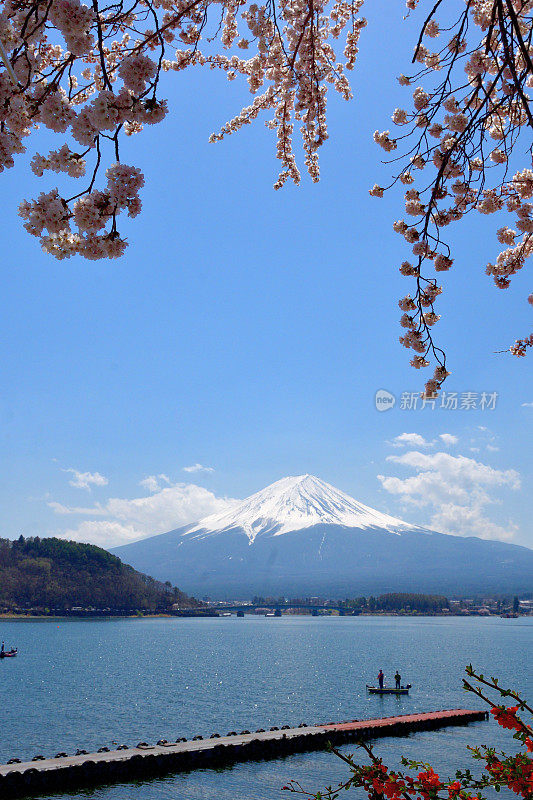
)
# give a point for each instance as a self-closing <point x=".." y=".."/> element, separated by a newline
<point x="253" y="608"/>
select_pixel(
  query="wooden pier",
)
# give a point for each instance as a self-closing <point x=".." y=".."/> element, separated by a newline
<point x="64" y="772"/>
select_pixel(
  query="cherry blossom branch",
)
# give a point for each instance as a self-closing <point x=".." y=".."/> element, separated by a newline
<point x="104" y="83"/>
<point x="494" y="102"/>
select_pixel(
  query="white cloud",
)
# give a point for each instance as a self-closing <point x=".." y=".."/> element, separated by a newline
<point x="455" y="489"/>
<point x="84" y="511"/>
<point x="84" y="480"/>
<point x="472" y="520"/>
<point x="527" y="405"/>
<point x="104" y="533"/>
<point x="416" y="440"/>
<point x="410" y="440"/>
<point x="153" y="483"/>
<point x="121" y="520"/>
<point x="486" y="439"/>
<point x="198" y="468"/>
<point x="448" y="438"/>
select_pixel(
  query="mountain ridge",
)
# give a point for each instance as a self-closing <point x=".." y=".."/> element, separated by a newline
<point x="294" y="538"/>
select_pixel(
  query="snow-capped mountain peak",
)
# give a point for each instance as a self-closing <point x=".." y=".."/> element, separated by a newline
<point x="294" y="503"/>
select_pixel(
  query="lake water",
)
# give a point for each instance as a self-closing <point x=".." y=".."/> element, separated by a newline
<point x="89" y="683"/>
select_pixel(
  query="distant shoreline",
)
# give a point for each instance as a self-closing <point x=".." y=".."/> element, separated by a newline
<point x="219" y="614"/>
<point x="84" y="616"/>
<point x="107" y="616"/>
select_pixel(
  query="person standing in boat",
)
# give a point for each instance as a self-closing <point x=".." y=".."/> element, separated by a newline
<point x="381" y="678"/>
<point x="2" y="648"/>
<point x="398" y="679"/>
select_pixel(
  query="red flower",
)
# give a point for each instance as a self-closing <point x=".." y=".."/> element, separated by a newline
<point x="454" y="788"/>
<point x="429" y="782"/>
<point x="394" y="788"/>
<point x="506" y="717"/>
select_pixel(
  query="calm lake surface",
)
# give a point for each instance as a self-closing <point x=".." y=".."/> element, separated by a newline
<point x="89" y="683"/>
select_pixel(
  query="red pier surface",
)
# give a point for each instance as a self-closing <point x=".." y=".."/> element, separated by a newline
<point x="457" y="715"/>
<point x="142" y="761"/>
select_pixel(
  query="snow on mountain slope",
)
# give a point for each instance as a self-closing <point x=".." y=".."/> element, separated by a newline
<point x="292" y="504"/>
<point x="302" y="537"/>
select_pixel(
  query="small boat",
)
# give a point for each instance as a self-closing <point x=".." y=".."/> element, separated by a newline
<point x="389" y="689"/>
<point x="8" y="653"/>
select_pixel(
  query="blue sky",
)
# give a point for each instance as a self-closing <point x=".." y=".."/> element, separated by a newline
<point x="248" y="330"/>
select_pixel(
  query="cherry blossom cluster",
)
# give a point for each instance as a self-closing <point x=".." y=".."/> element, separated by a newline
<point x="519" y="348"/>
<point x="91" y="73"/>
<point x="293" y="62"/>
<point x="468" y="123"/>
<point x="49" y="217"/>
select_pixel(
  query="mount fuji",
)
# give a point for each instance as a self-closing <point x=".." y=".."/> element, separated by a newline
<point x="301" y="537"/>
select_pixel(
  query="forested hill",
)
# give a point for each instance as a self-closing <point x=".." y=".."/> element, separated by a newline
<point x="57" y="575"/>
